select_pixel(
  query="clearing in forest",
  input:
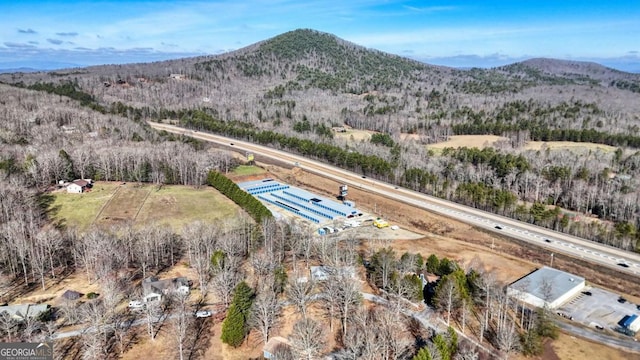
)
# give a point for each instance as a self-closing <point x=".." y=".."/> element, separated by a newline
<point x="470" y="141"/>
<point x="124" y="205"/>
<point x="114" y="202"/>
<point x="567" y="145"/>
<point x="354" y="135"/>
<point x="483" y="141"/>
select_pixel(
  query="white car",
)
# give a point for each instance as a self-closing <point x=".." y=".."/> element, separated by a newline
<point x="135" y="304"/>
<point x="203" y="314"/>
<point x="395" y="227"/>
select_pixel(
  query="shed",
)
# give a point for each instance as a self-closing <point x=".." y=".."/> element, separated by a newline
<point x="71" y="295"/>
<point x="632" y="323"/>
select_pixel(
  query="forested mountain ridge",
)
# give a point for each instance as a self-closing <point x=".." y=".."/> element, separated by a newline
<point x="290" y="90"/>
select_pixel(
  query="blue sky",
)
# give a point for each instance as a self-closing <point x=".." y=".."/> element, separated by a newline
<point x="453" y="33"/>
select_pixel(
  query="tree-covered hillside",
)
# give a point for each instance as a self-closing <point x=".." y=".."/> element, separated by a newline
<point x="291" y="90"/>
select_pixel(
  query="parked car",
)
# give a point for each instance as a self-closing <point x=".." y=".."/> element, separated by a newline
<point x="203" y="314"/>
<point x="135" y="304"/>
<point x="622" y="300"/>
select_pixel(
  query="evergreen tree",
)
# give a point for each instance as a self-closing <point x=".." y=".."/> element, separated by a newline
<point x="234" y="327"/>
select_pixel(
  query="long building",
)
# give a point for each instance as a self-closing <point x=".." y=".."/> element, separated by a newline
<point x="305" y="204"/>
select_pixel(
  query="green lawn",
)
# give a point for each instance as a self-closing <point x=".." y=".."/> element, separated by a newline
<point x="244" y="170"/>
<point x="172" y="205"/>
<point x="79" y="210"/>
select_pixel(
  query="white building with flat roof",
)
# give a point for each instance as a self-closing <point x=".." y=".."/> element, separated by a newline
<point x="546" y="286"/>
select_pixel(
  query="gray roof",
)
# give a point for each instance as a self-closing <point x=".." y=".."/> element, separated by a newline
<point x="154" y="285"/>
<point x="547" y="283"/>
<point x="23" y="311"/>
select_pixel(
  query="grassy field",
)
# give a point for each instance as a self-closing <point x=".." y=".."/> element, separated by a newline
<point x="124" y="205"/>
<point x="456" y="141"/>
<point x="110" y="203"/>
<point x="246" y="170"/>
<point x="482" y="141"/>
<point x="80" y="210"/>
<point x="568" y="145"/>
<point x="356" y="135"/>
<point x="179" y="205"/>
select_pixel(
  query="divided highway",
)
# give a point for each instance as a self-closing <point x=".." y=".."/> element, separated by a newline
<point x="551" y="241"/>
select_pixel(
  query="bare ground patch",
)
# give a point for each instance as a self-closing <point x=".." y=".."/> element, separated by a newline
<point x="470" y="141"/>
<point x="567" y="145"/>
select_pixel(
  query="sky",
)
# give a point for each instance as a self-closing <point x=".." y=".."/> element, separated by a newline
<point x="487" y="33"/>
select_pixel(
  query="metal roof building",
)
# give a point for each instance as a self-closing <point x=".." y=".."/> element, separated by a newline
<point x="546" y="286"/>
<point x="632" y="323"/>
<point x="300" y="202"/>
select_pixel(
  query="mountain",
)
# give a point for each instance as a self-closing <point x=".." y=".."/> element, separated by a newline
<point x="573" y="69"/>
<point x="306" y="81"/>
<point x="17" y="70"/>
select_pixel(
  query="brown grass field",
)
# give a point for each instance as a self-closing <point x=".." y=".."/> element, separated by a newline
<point x="110" y="203"/>
<point x="125" y="204"/>
<point x="482" y="141"/>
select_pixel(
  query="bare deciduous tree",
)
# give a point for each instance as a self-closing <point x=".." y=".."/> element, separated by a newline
<point x="301" y="294"/>
<point x="265" y="313"/>
<point x="307" y="339"/>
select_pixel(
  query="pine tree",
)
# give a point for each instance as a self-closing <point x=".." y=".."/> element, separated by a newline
<point x="234" y="327"/>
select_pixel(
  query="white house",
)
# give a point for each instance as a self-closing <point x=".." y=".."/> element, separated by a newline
<point x="78" y="186"/>
<point x="155" y="289"/>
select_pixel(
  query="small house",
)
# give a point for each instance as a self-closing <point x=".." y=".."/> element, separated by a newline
<point x="23" y="312"/>
<point x="155" y="289"/>
<point x="71" y="295"/>
<point x="322" y="273"/>
<point x="276" y="348"/>
<point x="79" y="186"/>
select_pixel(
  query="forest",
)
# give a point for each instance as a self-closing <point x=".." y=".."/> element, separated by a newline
<point x="289" y="92"/>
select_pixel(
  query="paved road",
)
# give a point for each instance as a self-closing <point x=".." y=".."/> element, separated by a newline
<point x="601" y="337"/>
<point x="551" y="241"/>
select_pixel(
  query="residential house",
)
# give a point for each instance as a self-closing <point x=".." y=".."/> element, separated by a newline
<point x="23" y="311"/>
<point x="79" y="186"/>
<point x="322" y="273"/>
<point x="276" y="348"/>
<point x="155" y="289"/>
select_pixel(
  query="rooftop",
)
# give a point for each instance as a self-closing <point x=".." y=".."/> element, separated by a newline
<point x="547" y="283"/>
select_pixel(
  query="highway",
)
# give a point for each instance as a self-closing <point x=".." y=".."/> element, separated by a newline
<point x="549" y="240"/>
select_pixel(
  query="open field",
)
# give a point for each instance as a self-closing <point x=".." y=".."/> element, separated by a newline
<point x="482" y="141"/>
<point x="567" y="145"/>
<point x="80" y="210"/>
<point x="477" y="141"/>
<point x="110" y="203"/>
<point x="124" y="205"/>
<point x="246" y="170"/>
<point x="177" y="206"/>
<point x="355" y="135"/>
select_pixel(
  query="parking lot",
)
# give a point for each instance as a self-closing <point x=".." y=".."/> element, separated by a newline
<point x="599" y="309"/>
